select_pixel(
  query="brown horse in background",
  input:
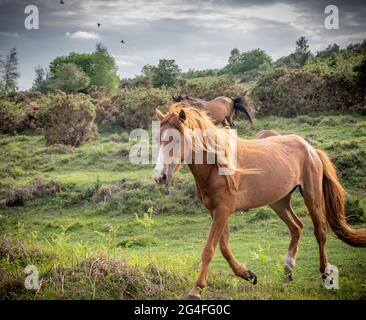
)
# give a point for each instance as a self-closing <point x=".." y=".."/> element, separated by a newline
<point x="221" y="109"/>
<point x="266" y="133"/>
<point x="281" y="164"/>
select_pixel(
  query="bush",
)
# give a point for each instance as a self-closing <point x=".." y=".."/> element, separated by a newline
<point x="354" y="210"/>
<point x="97" y="92"/>
<point x="107" y="113"/>
<point x="137" y="106"/>
<point x="223" y="87"/>
<point x="19" y="111"/>
<point x="11" y="116"/>
<point x="68" y="119"/>
<point x="349" y="160"/>
<point x="16" y="196"/>
<point x="292" y="92"/>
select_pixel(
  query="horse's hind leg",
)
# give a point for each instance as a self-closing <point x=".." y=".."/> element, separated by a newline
<point x="238" y="269"/>
<point x="312" y="192"/>
<point x="230" y="120"/>
<point x="285" y="212"/>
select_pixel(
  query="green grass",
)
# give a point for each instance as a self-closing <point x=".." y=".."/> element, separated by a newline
<point x="101" y="250"/>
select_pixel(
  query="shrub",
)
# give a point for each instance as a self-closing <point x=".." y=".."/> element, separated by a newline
<point x="19" y="111"/>
<point x="97" y="92"/>
<point x="224" y="87"/>
<point x="68" y="119"/>
<point x="354" y="210"/>
<point x="137" y="106"/>
<point x="11" y="116"/>
<point x="16" y="196"/>
<point x="107" y="113"/>
<point x="292" y="92"/>
<point x="349" y="160"/>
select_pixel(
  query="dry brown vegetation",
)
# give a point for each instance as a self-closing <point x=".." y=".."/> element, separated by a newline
<point x="37" y="188"/>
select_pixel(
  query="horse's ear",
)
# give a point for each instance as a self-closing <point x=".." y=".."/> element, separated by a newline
<point x="159" y="114"/>
<point x="182" y="115"/>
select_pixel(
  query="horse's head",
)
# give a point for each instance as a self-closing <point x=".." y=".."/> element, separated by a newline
<point x="188" y="135"/>
<point x="171" y="148"/>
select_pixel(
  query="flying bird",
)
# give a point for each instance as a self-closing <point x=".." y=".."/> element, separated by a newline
<point x="62" y="2"/>
<point x="122" y="41"/>
<point x="98" y="24"/>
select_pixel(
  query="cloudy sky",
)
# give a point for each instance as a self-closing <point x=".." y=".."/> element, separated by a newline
<point x="196" y="33"/>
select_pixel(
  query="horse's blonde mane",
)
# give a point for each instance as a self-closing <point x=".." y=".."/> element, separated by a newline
<point x="196" y="119"/>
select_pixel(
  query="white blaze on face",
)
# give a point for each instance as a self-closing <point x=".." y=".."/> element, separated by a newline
<point x="169" y="154"/>
<point x="159" y="167"/>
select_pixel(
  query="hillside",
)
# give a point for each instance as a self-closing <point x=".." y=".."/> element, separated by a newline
<point x="73" y="215"/>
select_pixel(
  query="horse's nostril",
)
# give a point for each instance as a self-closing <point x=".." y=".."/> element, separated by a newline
<point x="162" y="178"/>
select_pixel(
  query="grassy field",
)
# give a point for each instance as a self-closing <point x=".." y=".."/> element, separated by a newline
<point x="97" y="227"/>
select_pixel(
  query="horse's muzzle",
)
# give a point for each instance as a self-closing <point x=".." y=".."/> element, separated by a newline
<point x="161" y="179"/>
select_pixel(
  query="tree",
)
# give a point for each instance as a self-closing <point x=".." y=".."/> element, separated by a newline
<point x="40" y="82"/>
<point x="302" y="45"/>
<point x="104" y="73"/>
<point x="69" y="78"/>
<point x="248" y="60"/>
<point x="165" y="73"/>
<point x="301" y="55"/>
<point x="329" y="51"/>
<point x="234" y="56"/>
<point x="147" y="70"/>
<point x="9" y="71"/>
<point x="302" y="52"/>
<point x="99" y="66"/>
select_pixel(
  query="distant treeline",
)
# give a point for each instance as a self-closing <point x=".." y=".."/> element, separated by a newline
<point x="86" y="87"/>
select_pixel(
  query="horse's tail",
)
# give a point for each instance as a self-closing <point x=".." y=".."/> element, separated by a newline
<point x="334" y="195"/>
<point x="239" y="105"/>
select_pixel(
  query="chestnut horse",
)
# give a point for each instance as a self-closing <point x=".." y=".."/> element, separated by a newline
<point x="266" y="133"/>
<point x="279" y="163"/>
<point x="220" y="109"/>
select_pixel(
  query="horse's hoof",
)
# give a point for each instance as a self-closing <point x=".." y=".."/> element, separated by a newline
<point x="252" y="277"/>
<point x="289" y="276"/>
<point x="190" y="297"/>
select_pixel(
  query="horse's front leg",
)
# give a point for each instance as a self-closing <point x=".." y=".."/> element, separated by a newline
<point x="220" y="217"/>
<point x="239" y="269"/>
